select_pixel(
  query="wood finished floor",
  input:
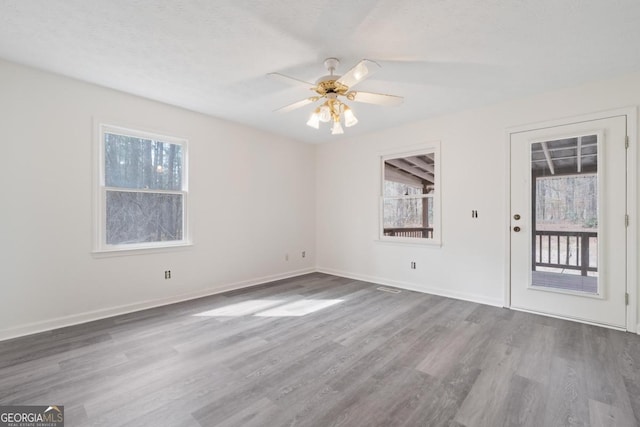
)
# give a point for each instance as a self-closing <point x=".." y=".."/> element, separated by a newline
<point x="363" y="358"/>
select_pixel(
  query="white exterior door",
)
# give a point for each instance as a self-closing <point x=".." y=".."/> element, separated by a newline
<point x="568" y="213"/>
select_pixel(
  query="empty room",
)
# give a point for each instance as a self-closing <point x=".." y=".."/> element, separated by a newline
<point x="297" y="213"/>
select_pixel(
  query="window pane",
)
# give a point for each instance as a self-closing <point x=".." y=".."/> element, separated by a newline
<point x="392" y="188"/>
<point x="408" y="190"/>
<point x="409" y="175"/>
<point x="132" y="162"/>
<point x="143" y="217"/>
<point x="406" y="217"/>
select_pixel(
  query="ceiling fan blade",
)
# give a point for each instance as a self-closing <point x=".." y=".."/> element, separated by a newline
<point x="358" y="73"/>
<point x="375" y="98"/>
<point x="290" y="80"/>
<point x="297" y="104"/>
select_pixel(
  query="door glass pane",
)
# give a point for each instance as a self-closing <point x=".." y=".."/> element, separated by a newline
<point x="564" y="177"/>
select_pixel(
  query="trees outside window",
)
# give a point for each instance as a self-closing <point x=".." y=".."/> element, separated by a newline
<point x="142" y="191"/>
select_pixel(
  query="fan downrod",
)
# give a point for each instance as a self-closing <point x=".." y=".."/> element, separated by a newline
<point x="331" y="64"/>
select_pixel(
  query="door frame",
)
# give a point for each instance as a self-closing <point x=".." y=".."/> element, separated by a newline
<point x="631" y="114"/>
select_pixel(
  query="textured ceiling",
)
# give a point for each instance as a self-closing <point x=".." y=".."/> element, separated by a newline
<point x="212" y="56"/>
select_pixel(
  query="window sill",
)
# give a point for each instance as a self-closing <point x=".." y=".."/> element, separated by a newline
<point x="116" y="252"/>
<point x="431" y="243"/>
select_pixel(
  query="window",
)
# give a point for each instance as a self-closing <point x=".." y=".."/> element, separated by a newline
<point x="410" y="197"/>
<point x="142" y="190"/>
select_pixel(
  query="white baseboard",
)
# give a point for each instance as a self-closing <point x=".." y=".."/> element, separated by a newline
<point x="75" y="319"/>
<point x="79" y="318"/>
<point x="496" y="302"/>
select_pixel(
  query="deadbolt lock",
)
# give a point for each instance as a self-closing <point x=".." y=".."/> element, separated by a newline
<point x="516" y="217"/>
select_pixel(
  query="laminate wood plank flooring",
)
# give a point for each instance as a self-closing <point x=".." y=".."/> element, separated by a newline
<point x="321" y="350"/>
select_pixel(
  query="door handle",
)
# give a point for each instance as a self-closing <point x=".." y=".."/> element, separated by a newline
<point x="516" y="229"/>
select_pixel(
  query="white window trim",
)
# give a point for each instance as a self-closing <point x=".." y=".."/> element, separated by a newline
<point x="100" y="247"/>
<point x="431" y="147"/>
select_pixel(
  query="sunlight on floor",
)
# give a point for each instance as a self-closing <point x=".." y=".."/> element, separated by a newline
<point x="299" y="308"/>
<point x="242" y="308"/>
<point x="271" y="308"/>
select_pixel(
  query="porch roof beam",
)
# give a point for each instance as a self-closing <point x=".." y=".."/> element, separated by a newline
<point x="547" y="156"/>
<point x="413" y="170"/>
<point x="579" y="154"/>
<point x="421" y="164"/>
<point x="552" y="149"/>
<point x="396" y="175"/>
<point x="584" y="156"/>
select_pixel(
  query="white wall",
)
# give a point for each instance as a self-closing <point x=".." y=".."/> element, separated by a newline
<point x="471" y="263"/>
<point x="254" y="198"/>
<point x="252" y="201"/>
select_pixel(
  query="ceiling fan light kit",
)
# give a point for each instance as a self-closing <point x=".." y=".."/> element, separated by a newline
<point x="349" y="118"/>
<point x="330" y="87"/>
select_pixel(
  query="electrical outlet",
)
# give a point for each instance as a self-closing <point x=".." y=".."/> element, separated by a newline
<point x="413" y="265"/>
<point x="304" y="254"/>
<point x="167" y="274"/>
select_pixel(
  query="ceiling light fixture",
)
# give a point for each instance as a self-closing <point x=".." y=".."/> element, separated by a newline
<point x="349" y="118"/>
<point x="314" y="120"/>
<point x="328" y="88"/>
<point x="336" y="129"/>
<point x="332" y="110"/>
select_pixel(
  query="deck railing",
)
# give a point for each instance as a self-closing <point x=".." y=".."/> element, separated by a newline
<point x="566" y="249"/>
<point x="422" y="232"/>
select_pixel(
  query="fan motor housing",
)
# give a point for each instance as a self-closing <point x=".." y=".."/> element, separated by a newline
<point x="329" y="84"/>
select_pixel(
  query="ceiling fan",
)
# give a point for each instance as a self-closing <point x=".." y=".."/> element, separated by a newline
<point x="331" y="89"/>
